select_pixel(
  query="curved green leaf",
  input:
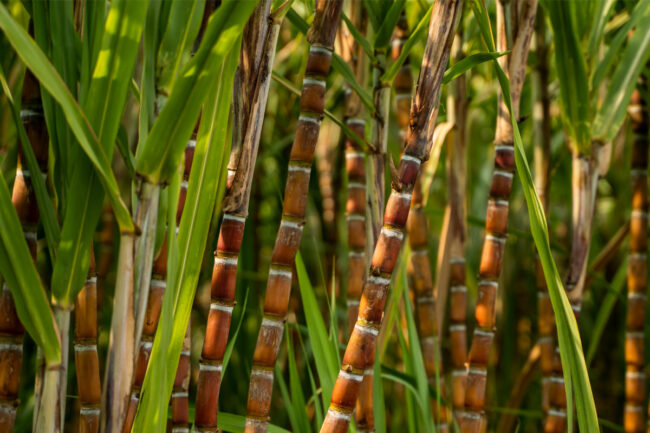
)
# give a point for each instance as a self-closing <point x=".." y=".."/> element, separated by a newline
<point x="19" y="271"/>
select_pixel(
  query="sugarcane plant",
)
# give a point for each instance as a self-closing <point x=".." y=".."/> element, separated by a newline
<point x="158" y="205"/>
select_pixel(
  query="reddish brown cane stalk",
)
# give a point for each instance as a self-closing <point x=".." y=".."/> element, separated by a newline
<point x="321" y="37"/>
<point x="637" y="273"/>
<point x="473" y="420"/>
<point x="24" y="200"/>
<point x="360" y="350"/>
<point x="85" y="353"/>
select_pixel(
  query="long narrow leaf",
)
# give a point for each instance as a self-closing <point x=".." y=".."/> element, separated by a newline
<point x="205" y="179"/>
<point x="17" y="268"/>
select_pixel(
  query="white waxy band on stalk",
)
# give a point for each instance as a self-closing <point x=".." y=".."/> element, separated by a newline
<point x="184" y="184"/>
<point x="557" y="412"/>
<point x="502" y="148"/>
<point x="158" y="284"/>
<point x="406" y="157"/>
<point x="355" y="217"/>
<point x="457" y="260"/>
<point x="366" y="329"/>
<point x="457" y="328"/>
<point x="350" y="376"/>
<point x="273" y="323"/>
<point x="457" y="373"/>
<point x="352" y="155"/>
<point x="503" y="174"/>
<point x="478" y="371"/>
<point x="309" y="119"/>
<point x="30" y="235"/>
<point x="634" y="335"/>
<point x="488" y="283"/>
<point x="233" y="217"/>
<point x="556" y="379"/>
<point x="210" y="367"/>
<point x="353" y="121"/>
<point x="11" y="347"/>
<point x="638" y="172"/>
<point x="472" y="415"/>
<point x="146" y="344"/>
<point x="280" y="273"/>
<point x="542" y="295"/>
<point x="636" y="295"/>
<point x="380" y="281"/>
<point x="401" y="195"/>
<point x="257" y="371"/>
<point x="397" y="42"/>
<point x="430" y="340"/>
<point x="312" y="82"/>
<point x="495" y="239"/>
<point x="225" y="261"/>
<point x="91" y="280"/>
<point x="637" y="256"/>
<point x="320" y="50"/>
<point x="352" y="302"/>
<point x="639" y="214"/>
<point x="576" y="308"/>
<point x="180" y="394"/>
<point x="89" y="411"/>
<point x="185" y="353"/>
<point x="483" y="332"/>
<point x="499" y="202"/>
<point x="180" y="430"/>
<point x="191" y="143"/>
<point x="420" y="252"/>
<point x="85" y="348"/>
<point x="215" y="306"/>
<point x="358" y="185"/>
<point x="635" y="374"/>
<point x="458" y="289"/>
<point x="401" y="96"/>
<point x="295" y="167"/>
<point x="356" y="254"/>
<point x="425" y="300"/>
<point x="392" y="233"/>
<point x="338" y="415"/>
<point x="545" y="340"/>
<point x="290" y="224"/>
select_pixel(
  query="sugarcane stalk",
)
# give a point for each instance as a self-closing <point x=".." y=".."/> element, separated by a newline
<point x="457" y="230"/>
<point x="542" y="160"/>
<point x="119" y="365"/>
<point x="360" y="351"/>
<point x="180" y="402"/>
<point x="157" y="286"/>
<point x="321" y="38"/>
<point x="259" y="50"/>
<point x="473" y="419"/>
<point x="637" y="272"/>
<point x="146" y="218"/>
<point x="24" y="200"/>
<point x="85" y="353"/>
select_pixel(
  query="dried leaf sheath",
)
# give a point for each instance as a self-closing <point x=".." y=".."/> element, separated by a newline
<point x="321" y="37"/>
<point x="637" y="272"/>
<point x="24" y="200"/>
<point x="496" y="226"/>
<point x="85" y="353"/>
<point x="360" y="351"/>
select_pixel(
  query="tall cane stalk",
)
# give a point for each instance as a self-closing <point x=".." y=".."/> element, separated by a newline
<point x="360" y="350"/>
<point x="157" y="286"/>
<point x="321" y="38"/>
<point x="24" y="200"/>
<point x="457" y="231"/>
<point x="496" y="225"/>
<point x="85" y="353"/>
<point x="359" y="243"/>
<point x="253" y="86"/>
<point x="637" y="272"/>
